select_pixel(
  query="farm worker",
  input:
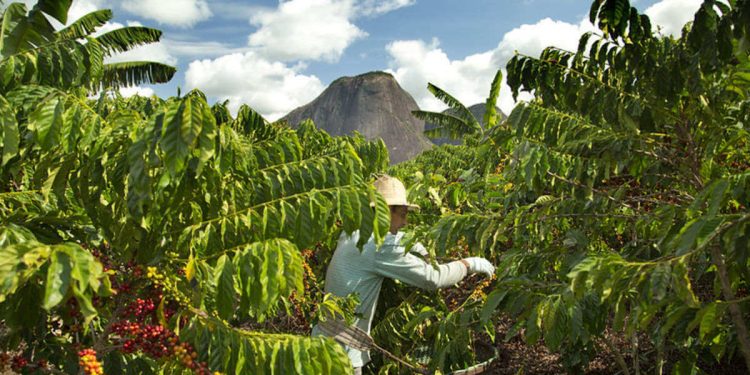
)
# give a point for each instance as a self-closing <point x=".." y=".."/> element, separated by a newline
<point x="362" y="272"/>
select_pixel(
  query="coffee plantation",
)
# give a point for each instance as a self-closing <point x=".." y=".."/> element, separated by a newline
<point x="149" y="235"/>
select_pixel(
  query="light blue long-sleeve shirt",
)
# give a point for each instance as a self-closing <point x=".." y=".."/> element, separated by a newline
<point x="362" y="272"/>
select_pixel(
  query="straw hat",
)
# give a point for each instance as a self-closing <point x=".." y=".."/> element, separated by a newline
<point x="393" y="191"/>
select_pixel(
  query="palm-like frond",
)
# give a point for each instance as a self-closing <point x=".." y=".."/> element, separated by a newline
<point x="446" y="125"/>
<point x="460" y="110"/>
<point x="126" y="38"/>
<point x="85" y="25"/>
<point x="22" y="31"/>
<point x="33" y="53"/>
<point x="490" y="108"/>
<point x="57" y="9"/>
<point x="454" y="123"/>
<point x="135" y="73"/>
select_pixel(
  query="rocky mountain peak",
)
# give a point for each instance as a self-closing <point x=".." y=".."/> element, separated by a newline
<point x="373" y="104"/>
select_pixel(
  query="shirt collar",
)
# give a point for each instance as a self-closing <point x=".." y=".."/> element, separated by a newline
<point x="393" y="239"/>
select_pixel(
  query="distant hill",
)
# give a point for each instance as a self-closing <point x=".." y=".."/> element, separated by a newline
<point x="373" y="104"/>
<point x="477" y="110"/>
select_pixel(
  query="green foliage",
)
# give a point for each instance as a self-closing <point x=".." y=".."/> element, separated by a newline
<point x="457" y="121"/>
<point x="178" y="187"/>
<point x="490" y="110"/>
<point x="216" y="207"/>
<point x="616" y="198"/>
<point x="33" y="52"/>
<point x="234" y="351"/>
<point x="452" y="125"/>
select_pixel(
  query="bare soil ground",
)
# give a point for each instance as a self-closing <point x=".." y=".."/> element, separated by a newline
<point x="516" y="357"/>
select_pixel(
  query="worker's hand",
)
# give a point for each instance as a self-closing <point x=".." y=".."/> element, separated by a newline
<point x="418" y="248"/>
<point x="479" y="265"/>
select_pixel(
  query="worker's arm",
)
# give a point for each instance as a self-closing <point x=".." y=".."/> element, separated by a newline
<point x="392" y="262"/>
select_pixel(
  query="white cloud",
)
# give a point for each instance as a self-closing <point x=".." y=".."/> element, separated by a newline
<point x="181" y="13"/>
<point x="271" y="88"/>
<point x="235" y="9"/>
<point x="168" y="50"/>
<point x="136" y="90"/>
<point x="296" y="30"/>
<point x="377" y="7"/>
<point x="311" y="29"/>
<point x="305" y="30"/>
<point x="80" y="8"/>
<point x="672" y="15"/>
<point x="532" y="39"/>
<point x="200" y="48"/>
<point x="414" y="63"/>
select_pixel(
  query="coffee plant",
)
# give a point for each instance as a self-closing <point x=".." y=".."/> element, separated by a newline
<point x="145" y="235"/>
<point x="615" y="203"/>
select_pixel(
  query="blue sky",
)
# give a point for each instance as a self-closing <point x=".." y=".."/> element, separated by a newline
<point x="277" y="55"/>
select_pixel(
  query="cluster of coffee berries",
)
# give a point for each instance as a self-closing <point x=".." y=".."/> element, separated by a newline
<point x="452" y="301"/>
<point x="151" y="306"/>
<point x="141" y="308"/>
<point x="309" y="279"/>
<point x="478" y="292"/>
<point x="159" y="343"/>
<point x="18" y="363"/>
<point x="184" y="353"/>
<point x="166" y="284"/>
<point x="72" y="308"/>
<point x="106" y="262"/>
<point x="153" y="340"/>
<point x="88" y="362"/>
